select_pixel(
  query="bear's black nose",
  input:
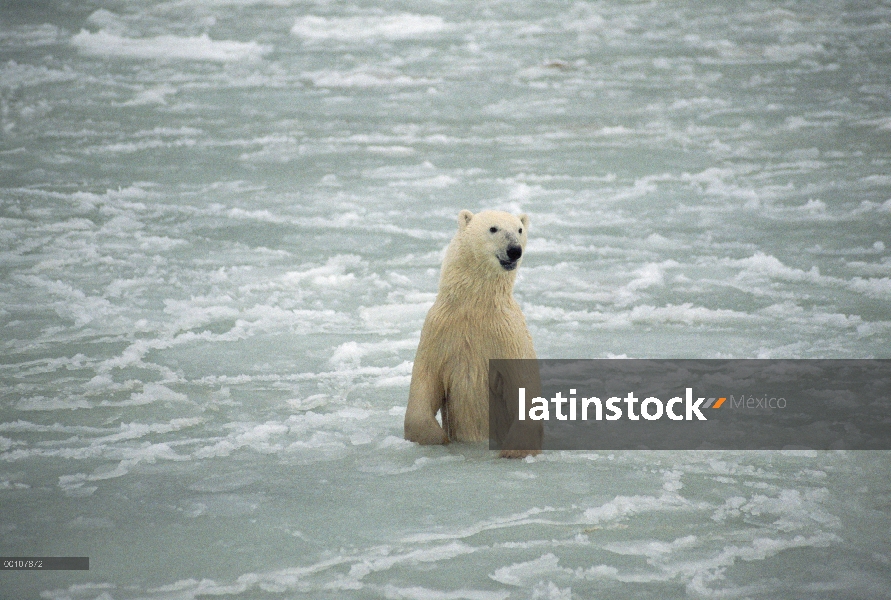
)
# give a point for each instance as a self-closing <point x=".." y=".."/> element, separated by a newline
<point x="514" y="252"/>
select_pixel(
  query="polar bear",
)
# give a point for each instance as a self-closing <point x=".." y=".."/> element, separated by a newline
<point x="474" y="318"/>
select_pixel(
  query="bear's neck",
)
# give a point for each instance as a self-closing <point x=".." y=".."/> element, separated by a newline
<point x="464" y="279"/>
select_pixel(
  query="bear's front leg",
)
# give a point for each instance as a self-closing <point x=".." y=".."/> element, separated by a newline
<point x="424" y="400"/>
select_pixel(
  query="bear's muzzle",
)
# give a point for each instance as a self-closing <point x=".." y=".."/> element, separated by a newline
<point x="514" y="252"/>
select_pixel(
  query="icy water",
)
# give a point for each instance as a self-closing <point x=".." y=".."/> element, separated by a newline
<point x="222" y="223"/>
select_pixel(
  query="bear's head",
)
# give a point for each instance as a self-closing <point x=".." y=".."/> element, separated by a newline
<point x="497" y="239"/>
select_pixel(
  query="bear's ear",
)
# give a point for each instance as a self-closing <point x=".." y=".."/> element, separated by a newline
<point x="524" y="219"/>
<point x="464" y="218"/>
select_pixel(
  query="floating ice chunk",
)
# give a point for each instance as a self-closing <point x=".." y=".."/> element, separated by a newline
<point x="394" y="381"/>
<point x="792" y="52"/>
<point x="29" y="36"/>
<point x="43" y="403"/>
<point x="422" y="593"/>
<point x="651" y="548"/>
<point x="766" y="264"/>
<point x="432" y="554"/>
<point x="525" y="573"/>
<point x="351" y="353"/>
<point x="651" y="274"/>
<point x="684" y="313"/>
<point x="153" y="392"/>
<point x="167" y="47"/>
<point x="548" y="590"/>
<point x="403" y="26"/>
<point x="391" y="441"/>
<point x="625" y="506"/>
<point x="262" y="433"/>
<point x="152" y="95"/>
<point x="876" y="287"/>
<point x="494" y="523"/>
<point x="363" y="78"/>
<point x="361" y="438"/>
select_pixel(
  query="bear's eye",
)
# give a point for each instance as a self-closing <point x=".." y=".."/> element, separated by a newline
<point x="493" y="229"/>
<point x="521" y="230"/>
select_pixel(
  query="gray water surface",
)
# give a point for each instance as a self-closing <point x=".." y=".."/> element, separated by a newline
<point x="221" y="225"/>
